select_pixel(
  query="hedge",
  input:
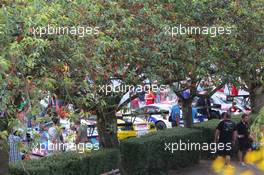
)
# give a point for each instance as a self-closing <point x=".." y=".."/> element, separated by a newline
<point x="147" y="154"/>
<point x="69" y="163"/>
<point x="144" y="155"/>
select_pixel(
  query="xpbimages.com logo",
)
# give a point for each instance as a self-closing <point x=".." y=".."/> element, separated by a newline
<point x="107" y="89"/>
<point x="191" y="146"/>
<point x="80" y="147"/>
<point x="212" y="31"/>
<point x="79" y="31"/>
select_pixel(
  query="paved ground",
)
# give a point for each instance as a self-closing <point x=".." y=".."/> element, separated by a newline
<point x="204" y="168"/>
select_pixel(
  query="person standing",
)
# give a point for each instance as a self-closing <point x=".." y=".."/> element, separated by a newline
<point x="175" y="114"/>
<point x="156" y="89"/>
<point x="14" y="152"/>
<point x="225" y="135"/>
<point x="244" y="139"/>
<point x="141" y="98"/>
<point x="204" y="106"/>
<point x="55" y="135"/>
<point x="200" y="87"/>
<point x="234" y="91"/>
<point x="150" y="97"/>
<point x="81" y="132"/>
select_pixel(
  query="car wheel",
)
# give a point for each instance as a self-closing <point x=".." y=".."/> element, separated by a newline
<point x="160" y="125"/>
<point x="215" y="115"/>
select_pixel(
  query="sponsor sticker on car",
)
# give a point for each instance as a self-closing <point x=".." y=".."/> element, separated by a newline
<point x="142" y="129"/>
<point x="142" y="132"/>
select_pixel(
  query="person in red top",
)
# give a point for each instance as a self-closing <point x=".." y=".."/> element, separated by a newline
<point x="233" y="108"/>
<point x="234" y="91"/>
<point x="149" y="97"/>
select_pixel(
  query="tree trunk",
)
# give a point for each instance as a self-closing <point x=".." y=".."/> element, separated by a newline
<point x="256" y="98"/>
<point x="3" y="157"/>
<point x="107" y="129"/>
<point x="187" y="113"/>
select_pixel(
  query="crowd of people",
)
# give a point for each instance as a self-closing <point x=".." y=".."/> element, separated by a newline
<point x="21" y="137"/>
<point x="54" y="136"/>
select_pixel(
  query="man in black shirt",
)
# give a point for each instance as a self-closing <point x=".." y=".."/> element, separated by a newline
<point x="244" y="141"/>
<point x="225" y="137"/>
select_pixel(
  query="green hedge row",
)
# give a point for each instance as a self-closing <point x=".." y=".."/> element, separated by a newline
<point x="207" y="130"/>
<point x="149" y="154"/>
<point x="69" y="163"/>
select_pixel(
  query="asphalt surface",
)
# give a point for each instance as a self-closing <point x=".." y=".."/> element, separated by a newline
<point x="204" y="168"/>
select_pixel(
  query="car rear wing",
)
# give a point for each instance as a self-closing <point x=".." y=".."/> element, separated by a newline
<point x="146" y="114"/>
<point x="231" y="97"/>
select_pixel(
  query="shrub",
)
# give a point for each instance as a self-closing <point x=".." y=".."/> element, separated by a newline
<point x="3" y="124"/>
<point x="257" y="123"/>
<point x="144" y="155"/>
<point x="147" y="154"/>
<point x="69" y="163"/>
<point x="207" y="129"/>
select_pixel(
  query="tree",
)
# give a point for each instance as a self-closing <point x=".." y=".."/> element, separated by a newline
<point x="241" y="54"/>
<point x="180" y="60"/>
<point x="95" y="46"/>
<point x="219" y="53"/>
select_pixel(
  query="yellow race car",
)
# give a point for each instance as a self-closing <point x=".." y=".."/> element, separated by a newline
<point x="133" y="127"/>
<point x="127" y="127"/>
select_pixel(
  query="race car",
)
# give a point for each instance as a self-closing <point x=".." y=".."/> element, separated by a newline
<point x="159" y="115"/>
<point x="236" y="105"/>
<point x="127" y="127"/>
<point x="136" y="128"/>
<point x="160" y="119"/>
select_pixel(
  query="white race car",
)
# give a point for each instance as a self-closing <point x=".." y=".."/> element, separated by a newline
<point x="161" y="121"/>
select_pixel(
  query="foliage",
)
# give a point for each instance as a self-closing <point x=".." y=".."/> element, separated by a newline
<point x="69" y="164"/>
<point x="131" y="40"/>
<point x="241" y="55"/>
<point x="257" y="127"/>
<point x="72" y="66"/>
<point x="147" y="154"/>
<point x="219" y="59"/>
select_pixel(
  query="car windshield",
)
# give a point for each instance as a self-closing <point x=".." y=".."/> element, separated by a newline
<point x="162" y="107"/>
